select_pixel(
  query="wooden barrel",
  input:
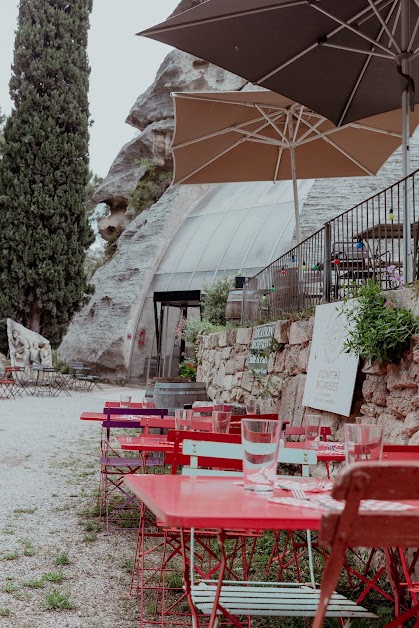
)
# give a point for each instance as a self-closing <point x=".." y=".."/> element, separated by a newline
<point x="173" y="395"/>
<point x="149" y="392"/>
<point x="234" y="305"/>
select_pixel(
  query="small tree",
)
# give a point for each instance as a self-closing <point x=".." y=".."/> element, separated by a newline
<point x="44" y="170"/>
<point x="215" y="302"/>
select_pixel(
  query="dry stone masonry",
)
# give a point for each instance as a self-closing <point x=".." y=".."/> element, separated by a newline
<point x="388" y="393"/>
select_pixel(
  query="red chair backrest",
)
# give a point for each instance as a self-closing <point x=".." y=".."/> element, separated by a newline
<point x="269" y="417"/>
<point x="389" y="481"/>
<point x="292" y="430"/>
<point x="400" y="452"/>
<point x="177" y="459"/>
<point x="168" y="422"/>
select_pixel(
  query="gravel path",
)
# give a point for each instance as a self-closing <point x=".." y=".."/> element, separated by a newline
<point x="49" y="547"/>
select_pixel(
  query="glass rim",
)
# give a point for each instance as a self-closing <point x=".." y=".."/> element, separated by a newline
<point x="254" y="418"/>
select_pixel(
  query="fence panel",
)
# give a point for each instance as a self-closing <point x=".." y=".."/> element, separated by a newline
<point x="364" y="242"/>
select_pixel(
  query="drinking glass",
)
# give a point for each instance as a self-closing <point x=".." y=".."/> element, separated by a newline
<point x="218" y="405"/>
<point x="125" y="401"/>
<point x="221" y="422"/>
<point x="363" y="442"/>
<point x="312" y="423"/>
<point x="260" y="439"/>
<point x="365" y="420"/>
<point x="183" y="419"/>
<point x="251" y="406"/>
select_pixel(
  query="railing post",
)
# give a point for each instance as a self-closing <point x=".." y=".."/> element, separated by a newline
<point x="327" y="269"/>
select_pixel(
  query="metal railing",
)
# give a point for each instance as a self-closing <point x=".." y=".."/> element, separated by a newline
<point x="364" y="242"/>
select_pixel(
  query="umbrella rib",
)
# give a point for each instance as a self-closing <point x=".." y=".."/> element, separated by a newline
<point x="358" y="50"/>
<point x="278" y="163"/>
<point x="373" y="129"/>
<point x="210" y="161"/>
<point x="327" y="139"/>
<point x="272" y="123"/>
<point x="222" y="101"/>
<point x="302" y="139"/>
<point x="414" y="33"/>
<point x="347" y="25"/>
<point x="384" y="25"/>
<point x="229" y="129"/>
<point x="272" y="142"/>
<point x="302" y="53"/>
<point x="355" y="125"/>
<point x="297" y="124"/>
<point x="217" y="156"/>
<point x="363" y="70"/>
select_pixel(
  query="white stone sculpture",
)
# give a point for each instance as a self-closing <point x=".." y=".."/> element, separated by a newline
<point x="27" y="348"/>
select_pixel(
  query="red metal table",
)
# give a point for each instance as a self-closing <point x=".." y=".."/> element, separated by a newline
<point x="216" y="502"/>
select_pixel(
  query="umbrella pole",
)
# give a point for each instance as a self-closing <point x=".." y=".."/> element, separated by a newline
<point x="407" y="247"/>
<point x="295" y="192"/>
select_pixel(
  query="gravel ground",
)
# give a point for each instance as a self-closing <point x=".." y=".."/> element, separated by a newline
<point x="49" y="476"/>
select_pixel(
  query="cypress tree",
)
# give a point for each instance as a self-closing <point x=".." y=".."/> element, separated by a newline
<point x="44" y="169"/>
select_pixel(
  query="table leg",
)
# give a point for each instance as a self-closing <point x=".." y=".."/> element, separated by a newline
<point x="187" y="580"/>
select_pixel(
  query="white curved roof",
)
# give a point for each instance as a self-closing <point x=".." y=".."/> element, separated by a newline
<point x="234" y="227"/>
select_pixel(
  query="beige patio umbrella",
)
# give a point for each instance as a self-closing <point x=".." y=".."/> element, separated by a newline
<point x="225" y="137"/>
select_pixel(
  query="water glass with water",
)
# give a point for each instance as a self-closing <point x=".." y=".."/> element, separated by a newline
<point x="221" y="422"/>
<point x="260" y="441"/>
<point x="125" y="401"/>
<point x="312" y="424"/>
<point x="363" y="442"/>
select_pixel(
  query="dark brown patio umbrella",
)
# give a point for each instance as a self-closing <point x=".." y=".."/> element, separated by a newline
<point x="345" y="59"/>
<point x="262" y="136"/>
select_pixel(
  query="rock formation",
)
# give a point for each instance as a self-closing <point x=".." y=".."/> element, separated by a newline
<point x="152" y="114"/>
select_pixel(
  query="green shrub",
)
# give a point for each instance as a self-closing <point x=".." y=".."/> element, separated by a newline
<point x="195" y="327"/>
<point x="187" y="370"/>
<point x="379" y="330"/>
<point x="216" y="296"/>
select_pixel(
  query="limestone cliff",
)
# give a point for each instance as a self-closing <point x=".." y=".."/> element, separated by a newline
<point x="152" y="114"/>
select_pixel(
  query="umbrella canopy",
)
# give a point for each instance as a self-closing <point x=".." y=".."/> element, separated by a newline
<point x="262" y="136"/>
<point x="346" y="59"/>
<point x="341" y="58"/>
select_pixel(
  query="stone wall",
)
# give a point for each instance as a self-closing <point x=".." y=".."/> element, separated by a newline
<point x="389" y="394"/>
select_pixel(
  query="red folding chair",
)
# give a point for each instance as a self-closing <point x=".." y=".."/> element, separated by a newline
<point x="155" y="577"/>
<point x="116" y="504"/>
<point x="390" y="528"/>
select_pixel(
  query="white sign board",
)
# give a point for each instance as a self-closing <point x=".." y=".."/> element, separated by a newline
<point x="259" y="350"/>
<point x="331" y="372"/>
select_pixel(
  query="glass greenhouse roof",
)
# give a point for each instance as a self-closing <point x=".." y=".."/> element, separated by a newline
<point x="233" y="227"/>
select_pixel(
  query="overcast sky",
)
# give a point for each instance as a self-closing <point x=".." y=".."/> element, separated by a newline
<point x="123" y="66"/>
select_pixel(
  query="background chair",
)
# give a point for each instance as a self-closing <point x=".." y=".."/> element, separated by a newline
<point x="116" y="504"/>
